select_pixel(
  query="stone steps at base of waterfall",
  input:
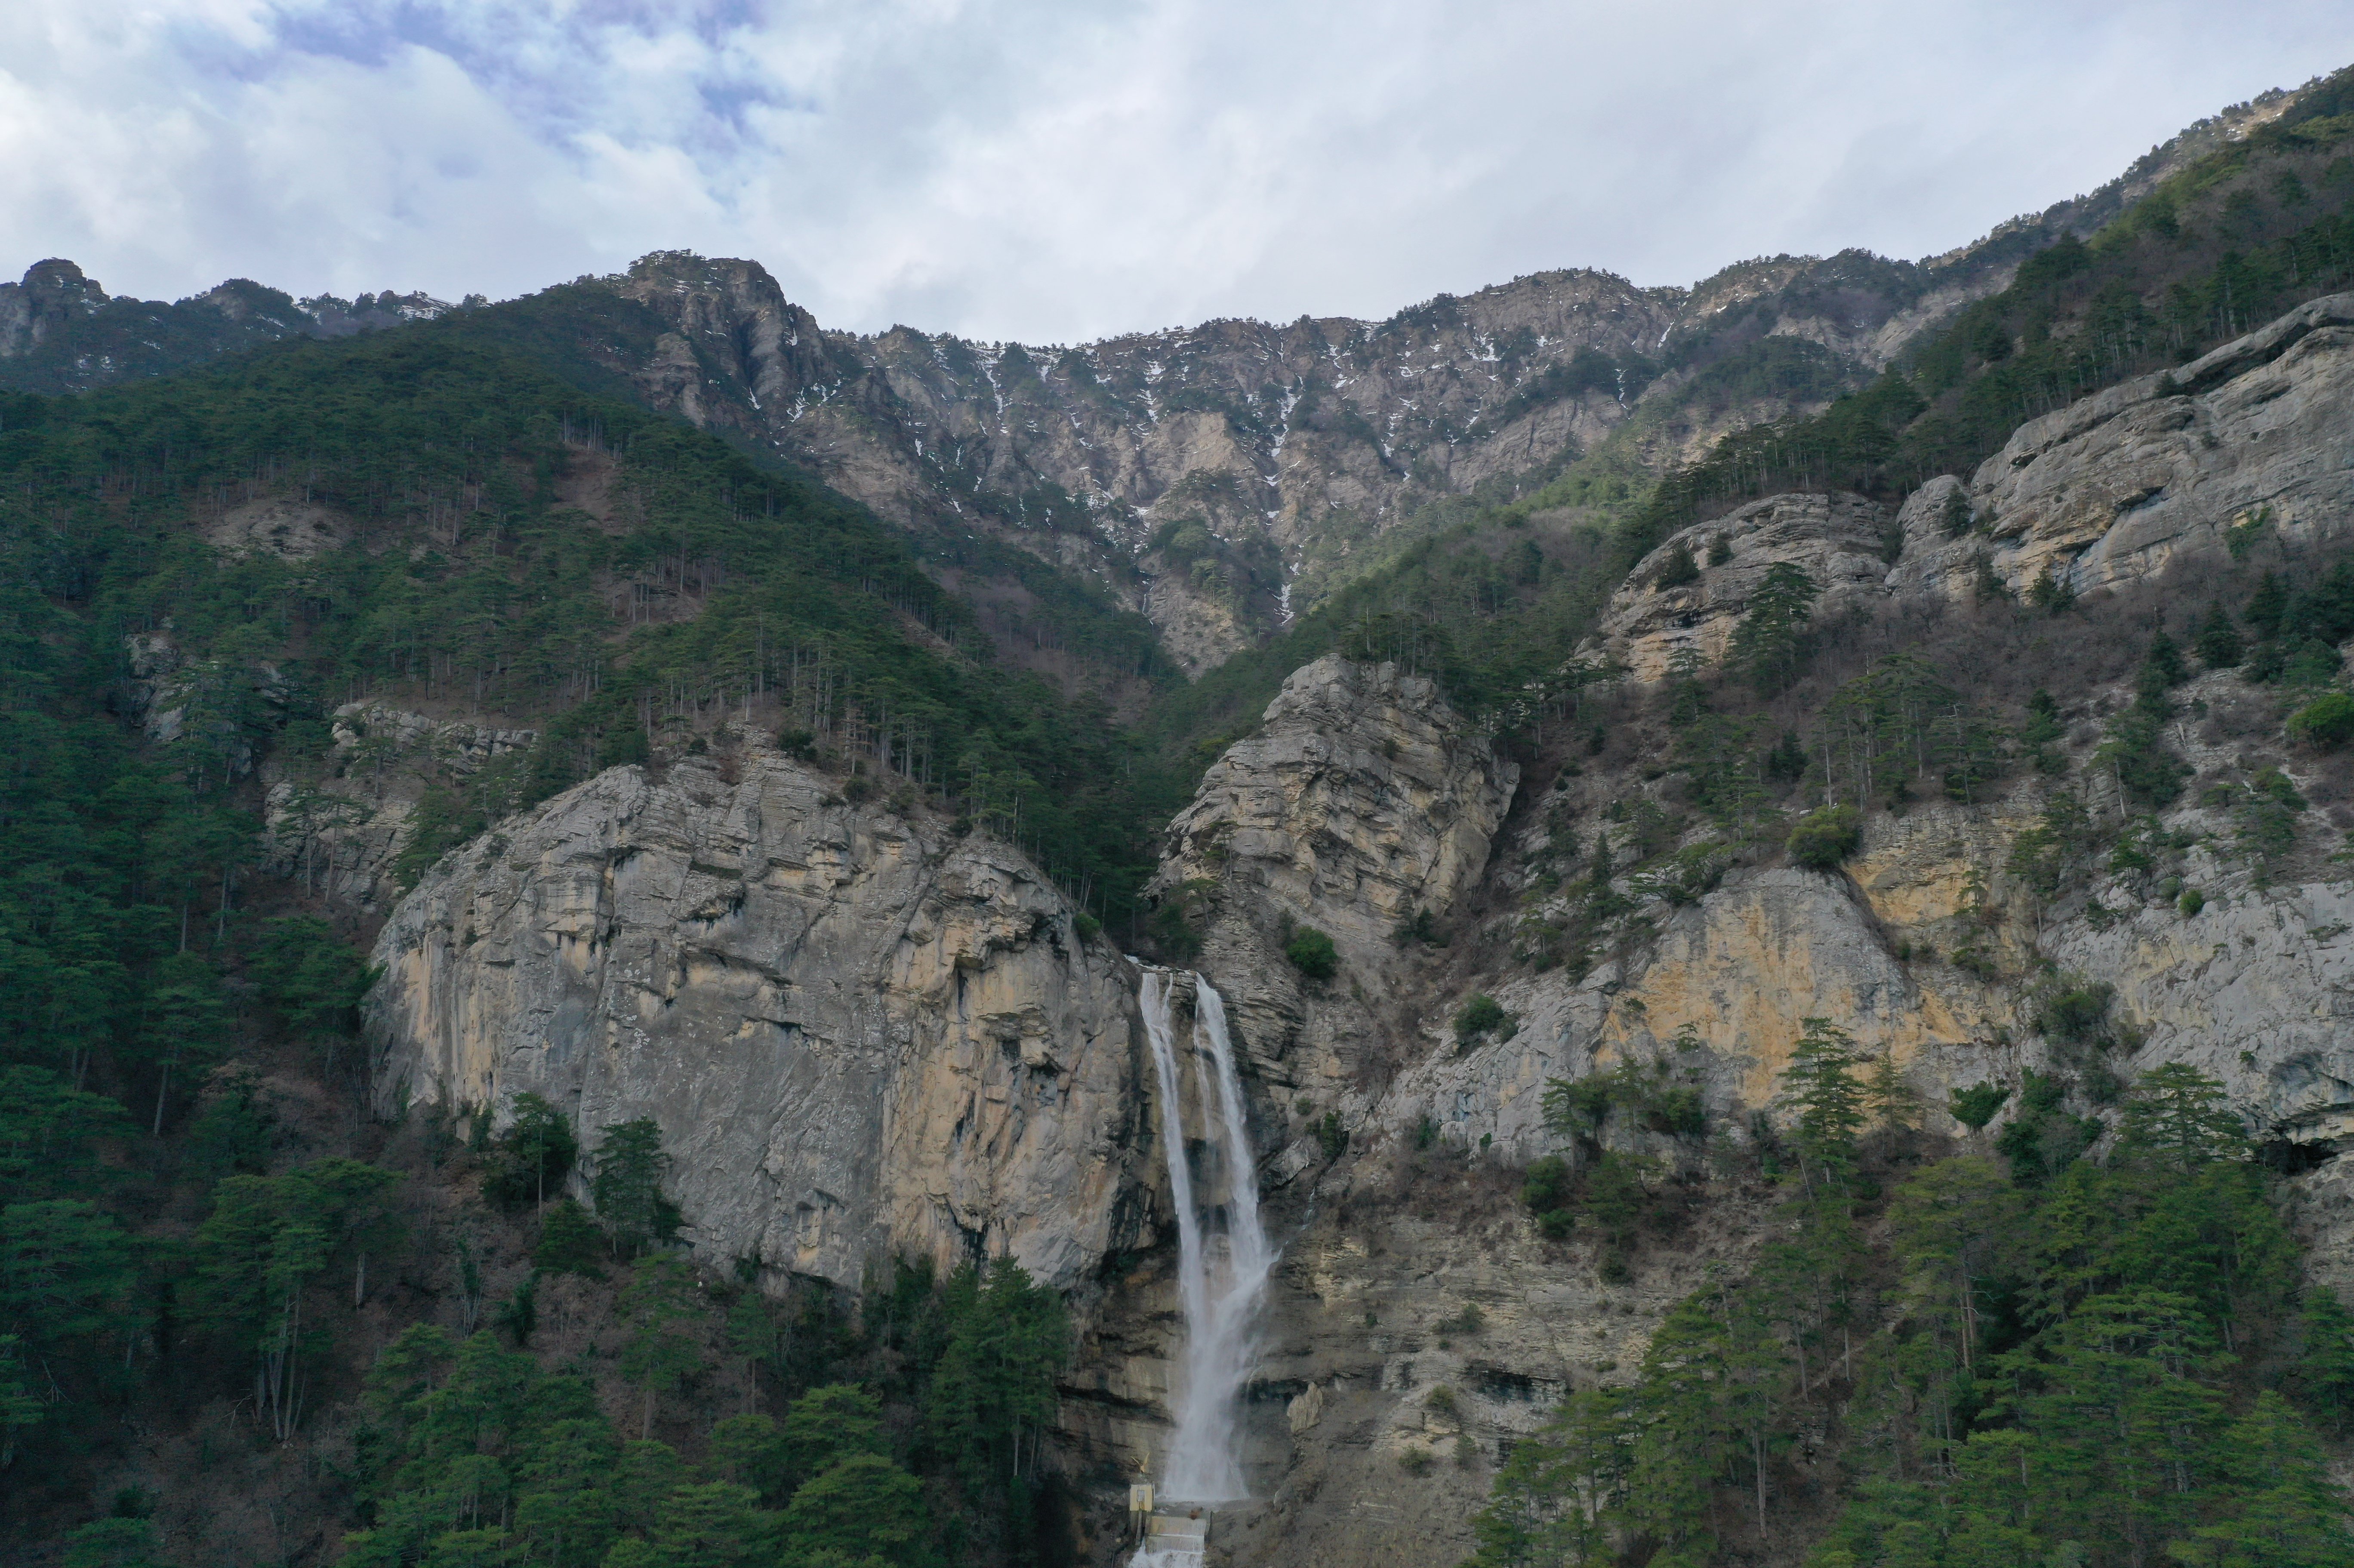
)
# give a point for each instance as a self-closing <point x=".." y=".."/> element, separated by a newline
<point x="1173" y="1541"/>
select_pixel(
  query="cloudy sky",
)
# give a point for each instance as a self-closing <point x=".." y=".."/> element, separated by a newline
<point x="1055" y="172"/>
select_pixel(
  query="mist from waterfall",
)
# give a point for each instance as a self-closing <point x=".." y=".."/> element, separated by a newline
<point x="1223" y="1254"/>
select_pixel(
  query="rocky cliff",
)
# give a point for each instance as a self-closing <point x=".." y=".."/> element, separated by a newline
<point x="1933" y="945"/>
<point x="860" y="1034"/>
<point x="1218" y="477"/>
<point x="1221" y="477"/>
<point x="1362" y="803"/>
<point x="2115" y="488"/>
<point x="1840" y="541"/>
<point x="2171" y="470"/>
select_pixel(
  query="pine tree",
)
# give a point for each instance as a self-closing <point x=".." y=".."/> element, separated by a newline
<point x="1771" y="641"/>
<point x="1678" y="567"/>
<point x="865" y="1508"/>
<point x="660" y="1354"/>
<point x="530" y="1158"/>
<point x="2177" y="1114"/>
<point x="2285" y="1511"/>
<point x="1820" y="1083"/>
<point x="1890" y="1096"/>
<point x="570" y="1242"/>
<point x="2267" y="609"/>
<point x="1957" y="1224"/>
<point x="2219" y="644"/>
<point x="627" y="1187"/>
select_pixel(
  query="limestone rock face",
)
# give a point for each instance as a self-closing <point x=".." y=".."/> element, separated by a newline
<point x="200" y="705"/>
<point x="1721" y="994"/>
<point x="2108" y="491"/>
<point x="1363" y="799"/>
<point x="2256" y="992"/>
<point x="1837" y="540"/>
<point x="769" y="347"/>
<point x="2117" y="485"/>
<point x="858" y="1036"/>
<point x="1923" y="947"/>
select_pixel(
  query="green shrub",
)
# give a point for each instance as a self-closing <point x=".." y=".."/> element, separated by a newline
<point x="1546" y="1185"/>
<point x="1822" y="840"/>
<point x="627" y="1187"/>
<point x="1546" y="1191"/>
<point x="1975" y="1106"/>
<point x="2077" y="1013"/>
<point x="1471" y="1321"/>
<point x="1173" y="933"/>
<point x="1332" y="1136"/>
<point x="1312" y="954"/>
<point x="1679" y="569"/>
<point x="2310" y="664"/>
<point x="1480" y="1016"/>
<point x="1416" y="1461"/>
<point x="569" y="1243"/>
<point x="2192" y="902"/>
<point x="1087" y="926"/>
<point x="1418" y="928"/>
<point x="1676" y="1111"/>
<point x="2326" y="721"/>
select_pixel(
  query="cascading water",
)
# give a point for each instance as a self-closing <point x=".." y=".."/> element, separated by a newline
<point x="1222" y="1256"/>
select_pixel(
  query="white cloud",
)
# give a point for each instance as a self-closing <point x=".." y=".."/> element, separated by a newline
<point x="1054" y="171"/>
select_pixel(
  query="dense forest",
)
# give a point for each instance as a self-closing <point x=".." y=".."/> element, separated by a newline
<point x="171" y="1230"/>
<point x="2009" y="1355"/>
<point x="697" y="583"/>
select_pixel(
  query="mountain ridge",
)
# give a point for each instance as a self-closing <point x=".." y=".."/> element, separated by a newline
<point x="1217" y="478"/>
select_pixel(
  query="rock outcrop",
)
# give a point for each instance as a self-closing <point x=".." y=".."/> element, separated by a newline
<point x="859" y="1035"/>
<point x="1363" y="802"/>
<point x="50" y="298"/>
<point x="2177" y="466"/>
<point x="1840" y="541"/>
<point x="1927" y="947"/>
<point x="1296" y="446"/>
<point x="2122" y="485"/>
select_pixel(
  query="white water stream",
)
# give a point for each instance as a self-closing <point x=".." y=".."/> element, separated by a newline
<point x="1223" y="1260"/>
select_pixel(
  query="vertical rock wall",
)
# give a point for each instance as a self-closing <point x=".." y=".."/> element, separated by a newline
<point x="858" y="1036"/>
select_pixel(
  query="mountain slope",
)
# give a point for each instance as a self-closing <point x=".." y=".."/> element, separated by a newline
<point x="1217" y="479"/>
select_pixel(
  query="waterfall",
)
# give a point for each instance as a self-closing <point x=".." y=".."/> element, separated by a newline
<point x="1222" y="1256"/>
